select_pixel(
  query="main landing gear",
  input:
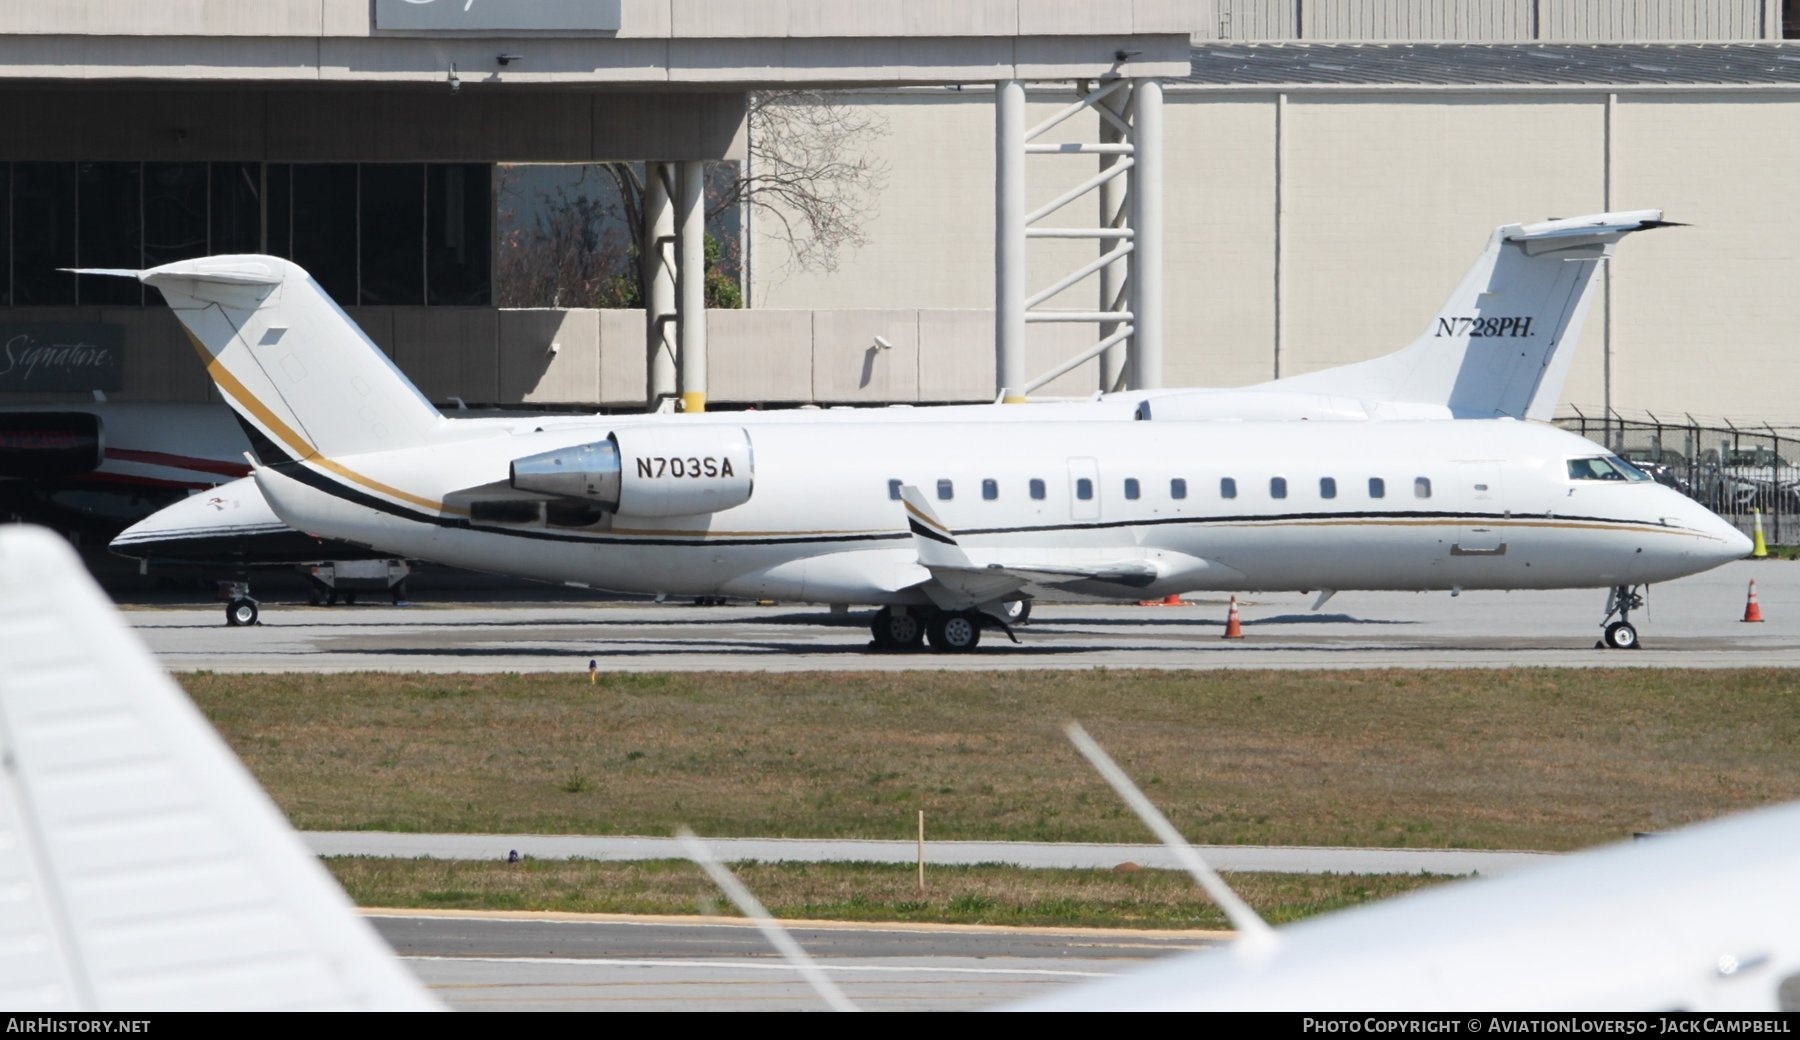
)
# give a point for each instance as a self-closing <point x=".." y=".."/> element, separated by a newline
<point x="240" y="608"/>
<point x="1620" y="634"/>
<point x="948" y="631"/>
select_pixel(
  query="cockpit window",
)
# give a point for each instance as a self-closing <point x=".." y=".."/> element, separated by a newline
<point x="1604" y="467"/>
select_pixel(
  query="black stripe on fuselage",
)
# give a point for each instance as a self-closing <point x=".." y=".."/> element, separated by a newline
<point x="323" y="483"/>
<point x="925" y="532"/>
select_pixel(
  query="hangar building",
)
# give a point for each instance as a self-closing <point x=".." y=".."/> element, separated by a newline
<point x="1330" y="167"/>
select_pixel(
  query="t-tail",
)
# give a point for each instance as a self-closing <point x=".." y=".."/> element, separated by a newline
<point x="293" y="365"/>
<point x="1501" y="345"/>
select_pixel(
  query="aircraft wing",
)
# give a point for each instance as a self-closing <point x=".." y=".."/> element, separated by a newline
<point x="143" y="867"/>
<point x="958" y="582"/>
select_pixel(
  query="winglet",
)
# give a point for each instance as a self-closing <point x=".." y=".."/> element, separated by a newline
<point x="937" y="547"/>
<point x="1255" y="938"/>
<point x="145" y="870"/>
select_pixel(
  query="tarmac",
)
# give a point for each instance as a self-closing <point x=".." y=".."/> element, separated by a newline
<point x="1692" y="623"/>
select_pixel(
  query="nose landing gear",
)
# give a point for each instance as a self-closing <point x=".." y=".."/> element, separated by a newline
<point x="1620" y="634"/>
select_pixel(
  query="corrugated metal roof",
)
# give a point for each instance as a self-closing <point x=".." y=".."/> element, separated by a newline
<point x="1485" y="64"/>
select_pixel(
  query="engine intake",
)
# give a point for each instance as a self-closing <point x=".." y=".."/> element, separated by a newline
<point x="648" y="470"/>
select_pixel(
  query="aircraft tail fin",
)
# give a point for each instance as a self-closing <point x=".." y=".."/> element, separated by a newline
<point x="144" y="869"/>
<point x="1502" y="343"/>
<point x="291" y="363"/>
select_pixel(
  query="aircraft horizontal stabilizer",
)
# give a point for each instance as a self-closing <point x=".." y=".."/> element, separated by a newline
<point x="145" y="870"/>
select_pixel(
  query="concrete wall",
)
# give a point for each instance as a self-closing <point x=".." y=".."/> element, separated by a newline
<point x="736" y="42"/>
<point x="681" y="19"/>
<point x="1328" y="227"/>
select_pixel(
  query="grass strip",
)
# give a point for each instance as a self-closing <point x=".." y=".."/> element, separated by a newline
<point x="1525" y="758"/>
<point x="981" y="894"/>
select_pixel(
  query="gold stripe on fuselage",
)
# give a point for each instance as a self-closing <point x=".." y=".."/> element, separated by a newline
<point x="301" y="448"/>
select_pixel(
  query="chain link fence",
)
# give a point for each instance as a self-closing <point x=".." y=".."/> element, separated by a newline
<point x="1734" y="471"/>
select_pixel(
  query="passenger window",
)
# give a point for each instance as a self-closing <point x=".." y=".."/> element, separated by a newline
<point x="1277" y="487"/>
<point x="1421" y="487"/>
<point x="990" y="489"/>
<point x="894" y="490"/>
<point x="1084" y="489"/>
<point x="1377" y="487"/>
<point x="1227" y="487"/>
<point x="946" y="491"/>
<point x="1177" y="488"/>
<point x="1131" y="487"/>
<point x="1327" y="487"/>
<point x="1037" y="489"/>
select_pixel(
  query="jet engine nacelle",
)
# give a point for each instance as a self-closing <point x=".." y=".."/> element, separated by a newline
<point x="49" y="445"/>
<point x="648" y="470"/>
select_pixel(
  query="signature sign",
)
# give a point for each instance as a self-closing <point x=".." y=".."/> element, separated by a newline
<point x="60" y="356"/>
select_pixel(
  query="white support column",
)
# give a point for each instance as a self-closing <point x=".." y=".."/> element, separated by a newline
<point x="1009" y="239"/>
<point x="690" y="283"/>
<point x="1145" y="363"/>
<point x="1115" y="200"/>
<point x="659" y="286"/>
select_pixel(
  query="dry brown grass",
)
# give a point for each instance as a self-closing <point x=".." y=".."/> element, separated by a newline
<point x="856" y="891"/>
<point x="1522" y="758"/>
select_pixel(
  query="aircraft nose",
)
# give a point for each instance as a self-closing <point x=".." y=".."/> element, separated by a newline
<point x="1737" y="544"/>
<point x="1726" y="542"/>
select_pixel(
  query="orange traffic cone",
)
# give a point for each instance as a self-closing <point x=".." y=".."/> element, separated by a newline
<point x="1233" y="629"/>
<point x="1752" y="612"/>
<point x="1172" y="600"/>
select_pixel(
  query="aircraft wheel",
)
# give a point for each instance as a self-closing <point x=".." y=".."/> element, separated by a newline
<point x="1016" y="611"/>
<point x="895" y="630"/>
<point x="954" y="633"/>
<point x="240" y="612"/>
<point x="350" y="599"/>
<point x="1621" y="636"/>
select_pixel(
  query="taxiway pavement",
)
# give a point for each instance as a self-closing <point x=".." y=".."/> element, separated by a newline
<point x="1692" y="623"/>
<point x="1039" y="855"/>
<point x="566" y="962"/>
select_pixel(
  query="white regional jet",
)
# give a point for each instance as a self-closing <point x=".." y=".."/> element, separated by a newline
<point x="926" y="520"/>
<point x="1499" y="346"/>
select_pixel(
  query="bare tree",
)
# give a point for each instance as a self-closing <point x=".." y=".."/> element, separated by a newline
<point x="811" y="172"/>
<point x="810" y="175"/>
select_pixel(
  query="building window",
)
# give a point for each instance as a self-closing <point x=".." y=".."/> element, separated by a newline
<point x="1421" y="487"/>
<point x="946" y="491"/>
<point x="109" y="228"/>
<point x="458" y="235"/>
<point x="1178" y="488"/>
<point x="893" y="490"/>
<point x="1277" y="487"/>
<point x="1327" y="487"/>
<point x="43" y="234"/>
<point x="390" y="209"/>
<point x="990" y="489"/>
<point x="1084" y="489"/>
<point x="1037" y="489"/>
<point x="1227" y="487"/>
<point x="1377" y="487"/>
<point x="323" y="226"/>
<point x="1131" y="487"/>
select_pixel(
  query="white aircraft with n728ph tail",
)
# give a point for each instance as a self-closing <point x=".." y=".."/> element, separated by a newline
<point x="922" y="519"/>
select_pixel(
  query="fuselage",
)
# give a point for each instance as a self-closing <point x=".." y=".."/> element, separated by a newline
<point x="1219" y="505"/>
